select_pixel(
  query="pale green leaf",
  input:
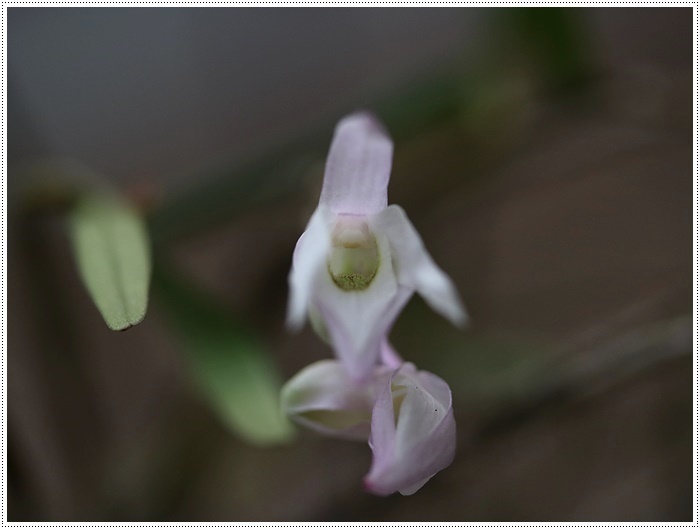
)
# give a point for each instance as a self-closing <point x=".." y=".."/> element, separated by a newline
<point x="230" y="366"/>
<point x="112" y="251"/>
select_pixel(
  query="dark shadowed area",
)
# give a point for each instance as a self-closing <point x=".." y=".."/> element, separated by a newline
<point x="545" y="156"/>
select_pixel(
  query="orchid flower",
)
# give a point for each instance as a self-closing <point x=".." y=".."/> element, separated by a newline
<point x="359" y="261"/>
<point x="405" y="414"/>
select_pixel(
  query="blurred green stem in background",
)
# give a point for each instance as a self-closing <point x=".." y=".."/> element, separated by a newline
<point x="557" y="43"/>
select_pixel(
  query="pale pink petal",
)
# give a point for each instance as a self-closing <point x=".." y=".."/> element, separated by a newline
<point x="358" y="166"/>
<point x="383" y="437"/>
<point x="411" y="447"/>
<point x="414" y="266"/>
<point x="322" y="397"/>
<point x="308" y="262"/>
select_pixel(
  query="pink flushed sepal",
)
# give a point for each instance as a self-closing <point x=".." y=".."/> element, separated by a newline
<point x="358" y="166"/>
<point x="413" y="431"/>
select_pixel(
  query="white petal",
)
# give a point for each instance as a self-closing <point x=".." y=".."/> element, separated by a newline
<point x="415" y="487"/>
<point x="415" y="268"/>
<point x="324" y="398"/>
<point x="359" y="320"/>
<point x="358" y="166"/>
<point x="308" y="262"/>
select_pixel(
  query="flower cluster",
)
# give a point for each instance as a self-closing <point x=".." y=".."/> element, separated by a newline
<point x="354" y="268"/>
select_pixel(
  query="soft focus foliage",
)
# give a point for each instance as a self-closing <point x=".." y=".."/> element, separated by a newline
<point x="229" y="365"/>
<point x="112" y="251"/>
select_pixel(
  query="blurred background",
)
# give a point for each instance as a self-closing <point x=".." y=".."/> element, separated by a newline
<point x="545" y="155"/>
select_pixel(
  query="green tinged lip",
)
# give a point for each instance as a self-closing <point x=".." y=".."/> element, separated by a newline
<point x="354" y="274"/>
<point x="352" y="281"/>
